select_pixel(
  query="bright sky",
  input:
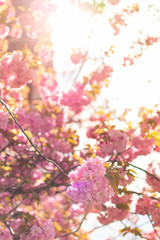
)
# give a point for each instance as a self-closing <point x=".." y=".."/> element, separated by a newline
<point x="130" y="87"/>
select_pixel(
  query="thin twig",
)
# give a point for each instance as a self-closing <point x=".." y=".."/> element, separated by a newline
<point x="79" y="225"/>
<point x="153" y="226"/>
<point x="150" y="174"/>
<point x="139" y="194"/>
<point x="79" y="71"/>
<point x="30" y="141"/>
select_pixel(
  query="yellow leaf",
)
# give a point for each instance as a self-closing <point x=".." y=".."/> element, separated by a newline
<point x="95" y="88"/>
<point x="6" y="168"/>
<point x="106" y="81"/>
<point x="38" y="107"/>
<point x="48" y="175"/>
<point x="158" y="205"/>
<point x="155" y="135"/>
<point x="57" y="226"/>
<point x="42" y="139"/>
<point x="28" y="133"/>
<point x="91" y="93"/>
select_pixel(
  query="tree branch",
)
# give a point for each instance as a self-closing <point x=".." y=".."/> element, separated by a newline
<point x="80" y="223"/>
<point x="150" y="174"/>
<point x="30" y="141"/>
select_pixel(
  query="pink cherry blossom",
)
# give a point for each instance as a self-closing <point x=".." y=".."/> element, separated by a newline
<point x="15" y="71"/>
<point x="5" y="235"/>
<point x="76" y="98"/>
<point x="89" y="182"/>
<point x="154" y="183"/>
<point x="115" y="143"/>
<point x="48" y="88"/>
<point x="45" y="232"/>
<point x="101" y="75"/>
<point x="142" y="146"/>
<point x="4" y="120"/>
<point x="77" y="57"/>
<point x="3" y="141"/>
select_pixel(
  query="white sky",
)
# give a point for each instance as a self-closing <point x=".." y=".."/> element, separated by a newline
<point x="130" y="87"/>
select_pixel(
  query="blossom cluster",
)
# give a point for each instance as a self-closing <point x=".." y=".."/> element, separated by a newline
<point x="14" y="71"/>
<point x="77" y="56"/>
<point x="76" y="98"/>
<point x="46" y="231"/>
<point x="4" y="117"/>
<point x="89" y="182"/>
<point x="154" y="183"/>
<point x="48" y="88"/>
<point x="146" y="205"/>
<point x="117" y="212"/>
<point x="116" y="143"/>
<point x="102" y="74"/>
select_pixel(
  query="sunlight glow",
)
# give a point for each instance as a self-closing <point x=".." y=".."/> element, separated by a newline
<point x="130" y="87"/>
<point x="72" y="27"/>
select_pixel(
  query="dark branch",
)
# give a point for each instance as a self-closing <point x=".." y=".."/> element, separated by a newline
<point x="30" y="141"/>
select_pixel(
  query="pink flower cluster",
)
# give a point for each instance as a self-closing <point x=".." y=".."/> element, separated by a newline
<point x="80" y="191"/>
<point x="154" y="183"/>
<point x="15" y="71"/>
<point x="146" y="205"/>
<point x="116" y="143"/>
<point x="48" y="88"/>
<point x="101" y="75"/>
<point x="117" y="212"/>
<point x="31" y="120"/>
<point x="116" y="22"/>
<point x="4" y="120"/>
<point x="5" y="235"/>
<point x="113" y="2"/>
<point x="151" y="40"/>
<point x="89" y="182"/>
<point x="45" y="232"/>
<point x="77" y="57"/>
<point x="142" y="146"/>
<point x="3" y="142"/>
<point x="113" y="214"/>
<point x="45" y="54"/>
<point x="76" y="98"/>
<point x="152" y="235"/>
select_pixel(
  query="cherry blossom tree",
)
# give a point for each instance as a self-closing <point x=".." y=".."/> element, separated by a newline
<point x="62" y="157"/>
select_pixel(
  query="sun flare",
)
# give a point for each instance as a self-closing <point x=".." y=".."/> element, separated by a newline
<point x="72" y="27"/>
